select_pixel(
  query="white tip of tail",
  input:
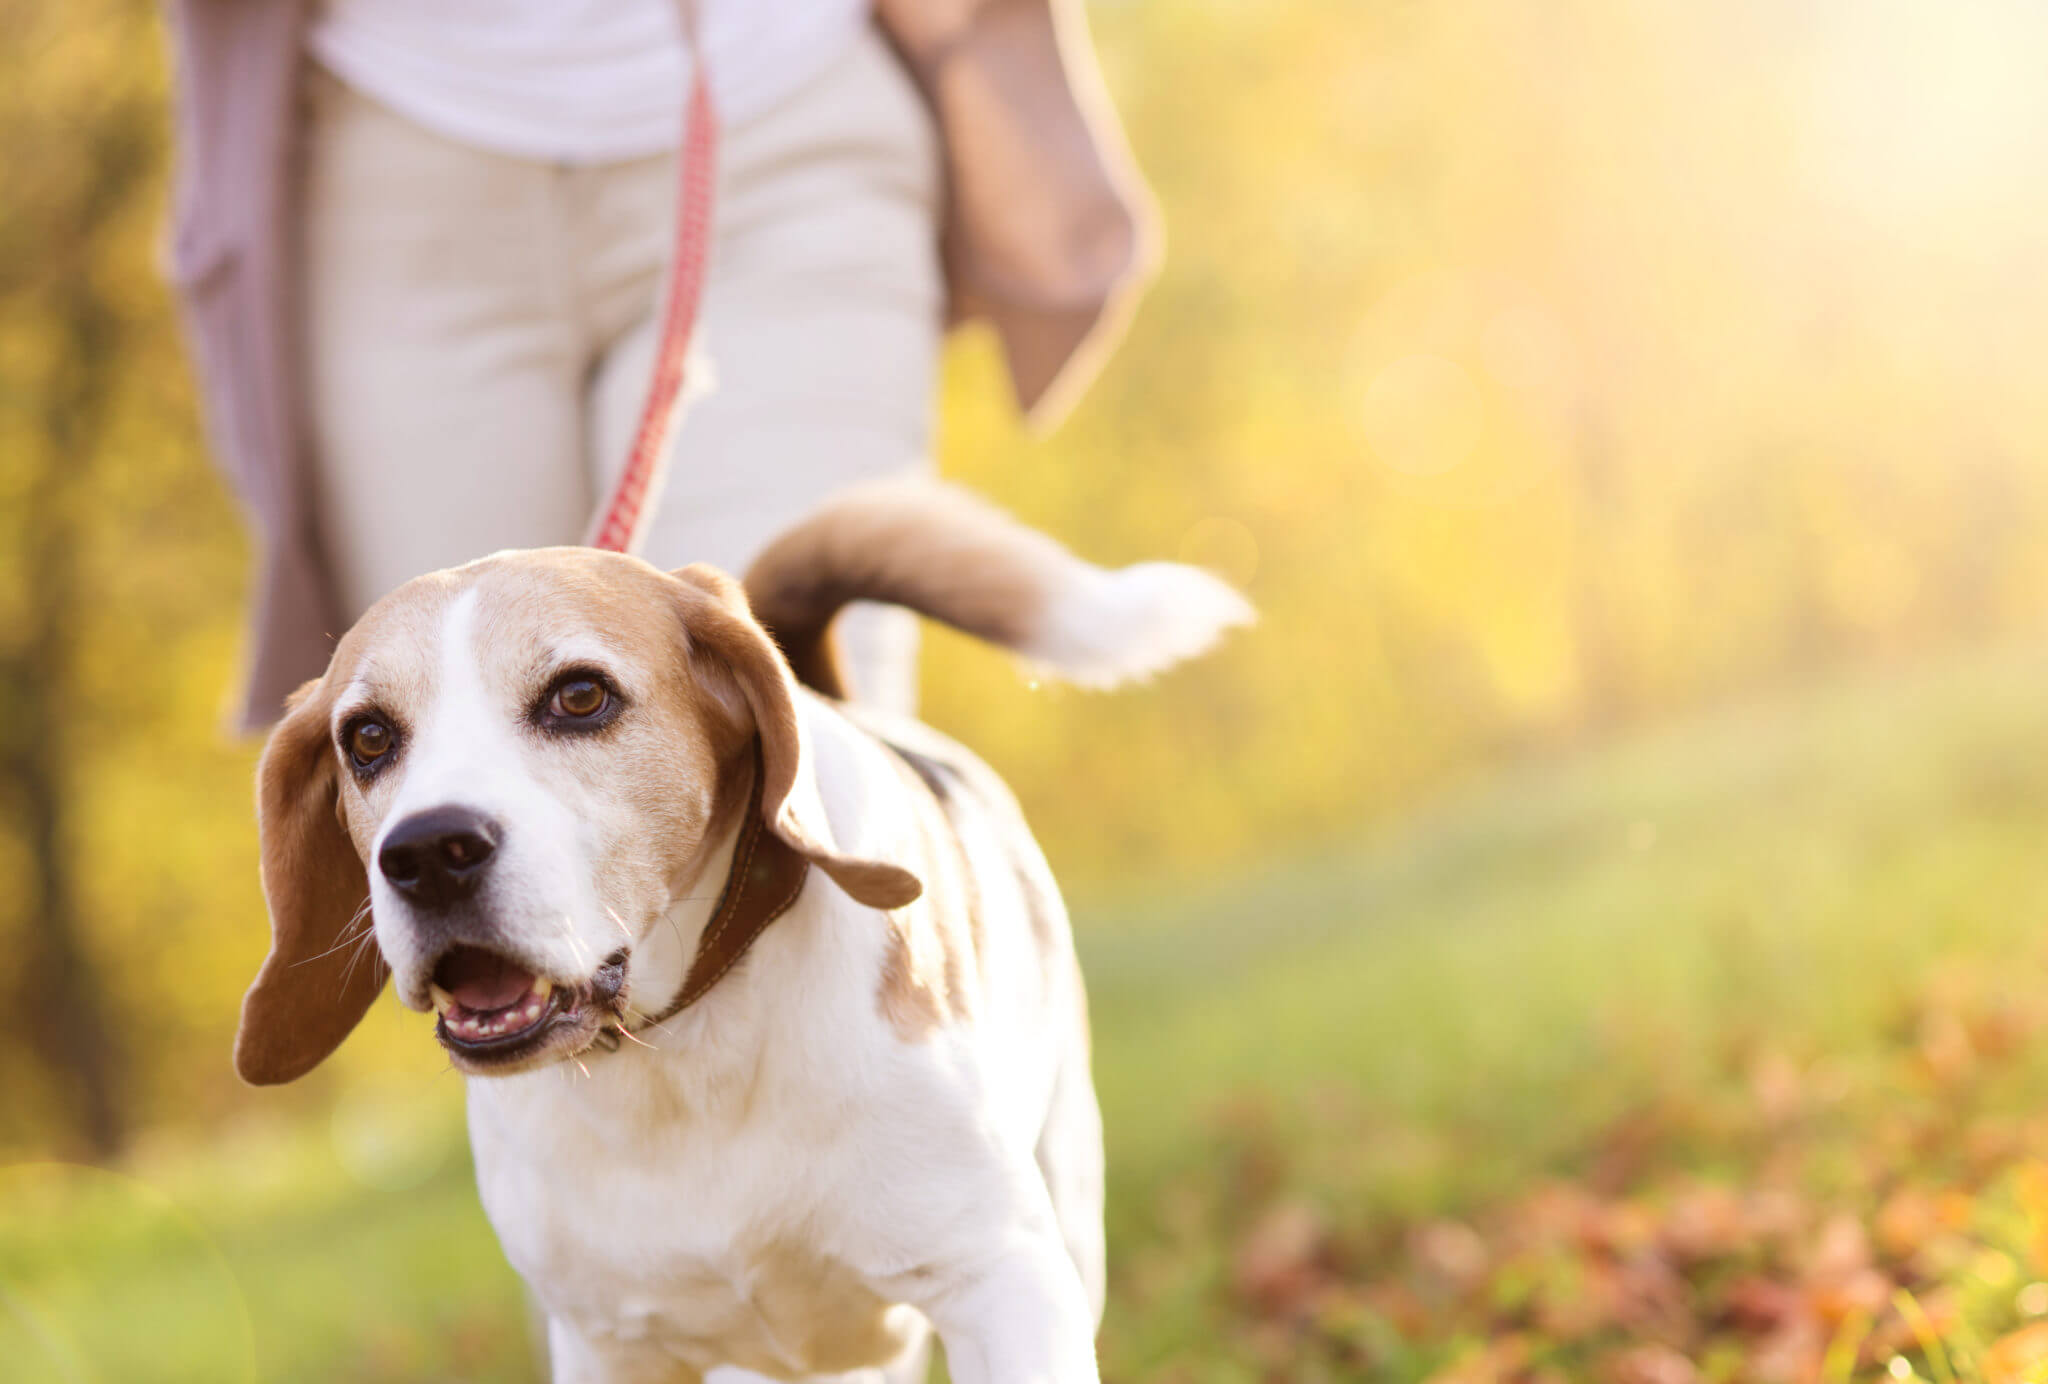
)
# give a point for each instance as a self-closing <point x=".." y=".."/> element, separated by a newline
<point x="1110" y="627"/>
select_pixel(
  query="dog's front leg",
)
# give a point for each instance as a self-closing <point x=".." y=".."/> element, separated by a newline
<point x="1019" y="1317"/>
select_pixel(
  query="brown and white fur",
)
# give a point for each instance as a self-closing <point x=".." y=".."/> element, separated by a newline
<point x="881" y="1122"/>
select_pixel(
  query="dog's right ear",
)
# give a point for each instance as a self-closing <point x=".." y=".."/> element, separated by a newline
<point x="314" y="987"/>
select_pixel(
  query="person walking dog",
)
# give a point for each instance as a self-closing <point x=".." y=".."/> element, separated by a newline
<point x="420" y="247"/>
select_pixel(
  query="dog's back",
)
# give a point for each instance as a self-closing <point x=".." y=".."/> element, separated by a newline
<point x="939" y="551"/>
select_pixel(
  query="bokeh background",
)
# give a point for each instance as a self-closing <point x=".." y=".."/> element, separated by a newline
<point x="1593" y="928"/>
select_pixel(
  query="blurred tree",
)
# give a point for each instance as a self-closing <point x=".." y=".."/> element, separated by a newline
<point x="68" y="340"/>
<point x="56" y="1010"/>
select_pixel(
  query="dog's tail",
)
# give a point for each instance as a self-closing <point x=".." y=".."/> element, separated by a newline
<point x="943" y="553"/>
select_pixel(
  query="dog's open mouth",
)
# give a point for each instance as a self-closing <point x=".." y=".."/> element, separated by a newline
<point x="496" y="1013"/>
<point x="483" y="998"/>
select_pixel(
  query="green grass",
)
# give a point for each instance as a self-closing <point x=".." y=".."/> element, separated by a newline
<point x="1399" y="1032"/>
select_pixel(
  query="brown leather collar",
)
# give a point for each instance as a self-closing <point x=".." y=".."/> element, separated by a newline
<point x="762" y="884"/>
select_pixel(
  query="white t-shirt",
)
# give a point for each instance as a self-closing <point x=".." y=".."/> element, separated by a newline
<point x="579" y="81"/>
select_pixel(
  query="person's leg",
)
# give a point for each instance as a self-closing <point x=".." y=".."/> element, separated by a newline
<point x="822" y="320"/>
<point x="444" y="361"/>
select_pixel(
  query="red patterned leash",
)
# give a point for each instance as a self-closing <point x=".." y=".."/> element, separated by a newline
<point x="623" y="521"/>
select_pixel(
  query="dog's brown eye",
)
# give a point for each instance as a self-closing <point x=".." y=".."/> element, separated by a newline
<point x="369" y="741"/>
<point x="579" y="697"/>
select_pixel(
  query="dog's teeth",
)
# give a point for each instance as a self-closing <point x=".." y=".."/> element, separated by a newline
<point x="512" y="1019"/>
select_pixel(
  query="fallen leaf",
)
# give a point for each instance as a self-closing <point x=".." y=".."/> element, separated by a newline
<point x="1706" y="1222"/>
<point x="1649" y="1364"/>
<point x="1450" y="1252"/>
<point x="1278" y="1264"/>
<point x="1945" y="1047"/>
<point x="1904" y="1223"/>
<point x="1757" y="1305"/>
<point x="2020" y="1358"/>
<point x="1777" y="1087"/>
<point x="1497" y="1362"/>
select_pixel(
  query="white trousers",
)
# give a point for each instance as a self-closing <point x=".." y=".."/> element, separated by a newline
<point x="480" y="331"/>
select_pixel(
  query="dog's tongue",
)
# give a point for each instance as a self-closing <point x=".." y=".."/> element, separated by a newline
<point x="481" y="980"/>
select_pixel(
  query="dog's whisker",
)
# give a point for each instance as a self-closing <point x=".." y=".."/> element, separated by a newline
<point x="355" y="958"/>
<point x="575" y="942"/>
<point x="344" y="937"/>
<point x="613" y="914"/>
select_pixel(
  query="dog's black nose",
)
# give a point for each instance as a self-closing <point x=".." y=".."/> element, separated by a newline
<point x="437" y="856"/>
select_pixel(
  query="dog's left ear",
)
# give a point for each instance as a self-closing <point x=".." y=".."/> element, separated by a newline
<point x="718" y="623"/>
<point x="313" y="990"/>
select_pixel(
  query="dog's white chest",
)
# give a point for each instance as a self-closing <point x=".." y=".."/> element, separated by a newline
<point x="696" y="1246"/>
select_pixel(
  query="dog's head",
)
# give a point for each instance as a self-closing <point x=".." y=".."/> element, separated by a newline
<point x="508" y="776"/>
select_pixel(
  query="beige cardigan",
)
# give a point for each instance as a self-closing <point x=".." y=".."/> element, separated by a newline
<point x="1047" y="233"/>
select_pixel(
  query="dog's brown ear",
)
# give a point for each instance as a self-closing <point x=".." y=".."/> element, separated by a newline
<point x="719" y="624"/>
<point x="324" y="969"/>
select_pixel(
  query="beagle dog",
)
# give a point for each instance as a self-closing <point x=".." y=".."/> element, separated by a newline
<point x="776" y="1047"/>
